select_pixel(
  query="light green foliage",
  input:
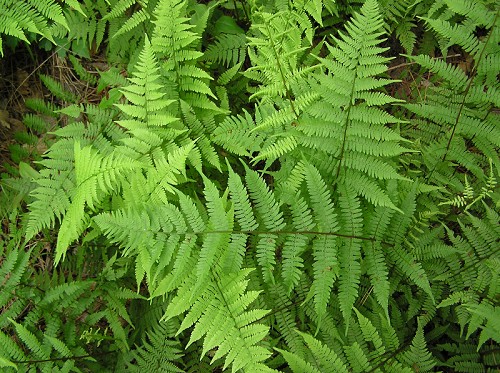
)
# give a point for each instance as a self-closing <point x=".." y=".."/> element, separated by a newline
<point x="254" y="180"/>
<point x="19" y="18"/>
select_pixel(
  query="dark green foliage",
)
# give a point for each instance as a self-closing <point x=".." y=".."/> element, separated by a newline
<point x="257" y="184"/>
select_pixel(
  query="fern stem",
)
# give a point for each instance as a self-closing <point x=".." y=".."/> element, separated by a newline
<point x="348" y="236"/>
<point x="57" y="50"/>
<point x="344" y="136"/>
<point x="405" y="64"/>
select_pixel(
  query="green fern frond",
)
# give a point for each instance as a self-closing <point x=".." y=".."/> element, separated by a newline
<point x="400" y="18"/>
<point x="461" y="103"/>
<point x="244" y="216"/>
<point x="276" y="51"/>
<point x="157" y="353"/>
<point x="142" y="16"/>
<point x="31" y="341"/>
<point x="236" y="135"/>
<point x="18" y="17"/>
<point x="326" y="358"/>
<point x="295" y="245"/>
<point x="491" y="315"/>
<point x="94" y="175"/>
<point x="358" y="66"/>
<point x="172" y="33"/>
<point x="241" y="334"/>
<point x="345" y="122"/>
<point x="175" y="41"/>
<point x="418" y="355"/>
<point x="325" y="248"/>
<point x="51" y="200"/>
<point x="359" y="357"/>
<point x="377" y="266"/>
<point x="403" y="259"/>
<point x="145" y="89"/>
<point x="227" y="49"/>
<point x="57" y="89"/>
<point x="215" y="244"/>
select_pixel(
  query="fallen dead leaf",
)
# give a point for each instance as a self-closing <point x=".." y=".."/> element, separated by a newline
<point x="4" y="119"/>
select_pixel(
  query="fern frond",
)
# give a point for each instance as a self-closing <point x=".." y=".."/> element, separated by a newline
<point x="172" y="34"/>
<point x="459" y="105"/>
<point x="296" y="245"/>
<point x="215" y="244"/>
<point x="418" y="356"/>
<point x="236" y="135"/>
<point x="225" y="302"/>
<point x="57" y="89"/>
<point x="31" y="341"/>
<point x="227" y="49"/>
<point x="94" y="175"/>
<point x="244" y="216"/>
<point x="157" y="353"/>
<point x="343" y="123"/>
<point x="18" y="17"/>
<point x="147" y="102"/>
<point x="325" y="357"/>
<point x="276" y="51"/>
<point x="52" y="199"/>
<point x="377" y="267"/>
<point x="402" y="258"/>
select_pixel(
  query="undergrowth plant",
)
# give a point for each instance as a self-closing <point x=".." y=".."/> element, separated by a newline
<point x="252" y="198"/>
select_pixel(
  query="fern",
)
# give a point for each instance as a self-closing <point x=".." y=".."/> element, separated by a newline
<point x="57" y="89"/>
<point x="418" y="356"/>
<point x="20" y="17"/>
<point x="145" y="88"/>
<point x="227" y="49"/>
<point x="464" y="119"/>
<point x="56" y="299"/>
<point x="180" y="64"/>
<point x="137" y="19"/>
<point x="352" y="135"/>
<point x="226" y="305"/>
<point x="157" y="354"/>
<point x="334" y="236"/>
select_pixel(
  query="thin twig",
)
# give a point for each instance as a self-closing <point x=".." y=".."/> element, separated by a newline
<point x="35" y="70"/>
<point x="413" y="62"/>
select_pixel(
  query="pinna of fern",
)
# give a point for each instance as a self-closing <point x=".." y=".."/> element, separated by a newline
<point x="18" y="17"/>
